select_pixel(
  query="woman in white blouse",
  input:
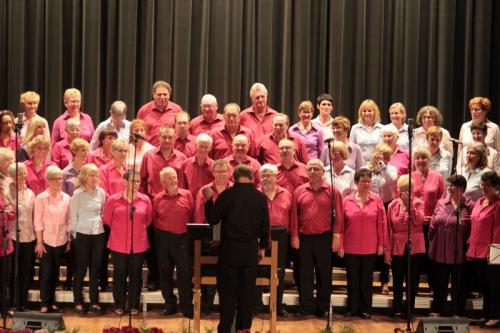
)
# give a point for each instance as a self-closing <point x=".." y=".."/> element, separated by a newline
<point x="479" y="108"/>
<point x="26" y="246"/>
<point x="427" y="117"/>
<point x="343" y="176"/>
<point x="86" y="209"/>
<point x="366" y="133"/>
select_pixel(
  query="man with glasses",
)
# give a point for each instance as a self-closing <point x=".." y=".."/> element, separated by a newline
<point x="311" y="231"/>
<point x="209" y="121"/>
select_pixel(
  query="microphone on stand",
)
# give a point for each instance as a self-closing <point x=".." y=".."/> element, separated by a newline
<point x="20" y="121"/>
<point x="138" y="136"/>
<point x="456" y="141"/>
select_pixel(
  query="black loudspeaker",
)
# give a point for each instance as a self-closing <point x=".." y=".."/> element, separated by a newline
<point x="33" y="320"/>
<point x="443" y="325"/>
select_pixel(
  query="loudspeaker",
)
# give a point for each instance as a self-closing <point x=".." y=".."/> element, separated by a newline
<point x="443" y="325"/>
<point x="36" y="321"/>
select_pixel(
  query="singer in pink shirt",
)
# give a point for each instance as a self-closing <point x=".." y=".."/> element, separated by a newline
<point x="52" y="229"/>
<point x="157" y="159"/>
<point x="241" y="145"/>
<point x="184" y="141"/>
<point x="161" y="111"/>
<point x="258" y="117"/>
<point x="291" y="173"/>
<point x="396" y="254"/>
<point x="37" y="164"/>
<point x="128" y="240"/>
<point x="311" y="232"/>
<point x="111" y="173"/>
<point x="197" y="170"/>
<point x="209" y="121"/>
<point x="7" y="137"/>
<point x="362" y="236"/>
<point x="220" y="172"/>
<point x="427" y="185"/>
<point x="485" y="230"/>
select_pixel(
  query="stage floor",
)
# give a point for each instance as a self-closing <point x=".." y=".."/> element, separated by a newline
<point x="179" y="324"/>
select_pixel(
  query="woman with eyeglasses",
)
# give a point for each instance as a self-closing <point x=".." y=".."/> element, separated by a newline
<point x="398" y="218"/>
<point x="61" y="153"/>
<point x="128" y="255"/>
<point x="38" y="163"/>
<point x="485" y="231"/>
<point x="361" y="241"/>
<point x="429" y="116"/>
<point x="307" y="131"/>
<point x="51" y="221"/>
<point x="447" y="239"/>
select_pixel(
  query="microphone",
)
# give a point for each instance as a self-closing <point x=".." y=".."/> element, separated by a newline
<point x="456" y="141"/>
<point x="20" y="120"/>
<point x="138" y="136"/>
<point x="330" y="140"/>
<point x="410" y="127"/>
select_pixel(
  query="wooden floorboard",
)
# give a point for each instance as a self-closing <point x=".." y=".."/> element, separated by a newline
<point x="178" y="324"/>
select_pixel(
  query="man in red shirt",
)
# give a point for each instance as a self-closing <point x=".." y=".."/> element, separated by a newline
<point x="184" y="141"/>
<point x="223" y="138"/>
<point x="268" y="152"/>
<point x="172" y="210"/>
<point x="209" y="120"/>
<point x="258" y="117"/>
<point x="241" y="146"/>
<point x="197" y="170"/>
<point x="311" y="231"/>
<point x="279" y="204"/>
<point x="159" y="112"/>
<point x="291" y="173"/>
<point x="152" y="163"/>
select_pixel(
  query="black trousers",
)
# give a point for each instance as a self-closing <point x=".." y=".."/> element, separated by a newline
<point x="265" y="271"/>
<point x="50" y="264"/>
<point x="127" y="265"/>
<point x="173" y="250"/>
<point x="103" y="274"/>
<point x="236" y="287"/>
<point x="26" y="260"/>
<point x="88" y="253"/>
<point x="442" y="274"/>
<point x="293" y="259"/>
<point x="315" y="253"/>
<point x="399" y="275"/>
<point x="359" y="270"/>
<point x="209" y="248"/>
<point x="5" y="265"/>
<point x="490" y="288"/>
<point x="151" y="256"/>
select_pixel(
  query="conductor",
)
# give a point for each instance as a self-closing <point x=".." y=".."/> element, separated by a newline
<point x="244" y="217"/>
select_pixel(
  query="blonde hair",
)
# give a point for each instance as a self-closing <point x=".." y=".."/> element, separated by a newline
<point x="39" y="139"/>
<point x="367" y="104"/>
<point x="52" y="171"/>
<point x="342" y="147"/>
<point x="421" y="150"/>
<point x="403" y="181"/>
<point x="381" y="148"/>
<point x="137" y="123"/>
<point x="306" y="105"/>
<point x="434" y="131"/>
<point x="72" y="93"/>
<point x="78" y="144"/>
<point x="30" y="131"/>
<point x="85" y="171"/>
<point x="29" y="95"/>
<point x="21" y="167"/>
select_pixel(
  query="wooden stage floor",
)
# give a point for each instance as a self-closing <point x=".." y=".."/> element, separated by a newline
<point x="179" y="324"/>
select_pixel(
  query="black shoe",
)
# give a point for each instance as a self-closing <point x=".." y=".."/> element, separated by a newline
<point x="282" y="313"/>
<point x="95" y="311"/>
<point x="152" y="286"/>
<point x="321" y="313"/>
<point x="301" y="313"/>
<point x="188" y="314"/>
<point x="349" y="314"/>
<point x="170" y="311"/>
<point x="477" y="322"/>
<point x="364" y="315"/>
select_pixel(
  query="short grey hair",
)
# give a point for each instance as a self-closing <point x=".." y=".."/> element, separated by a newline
<point x="256" y="87"/>
<point x="209" y="98"/>
<point x="165" y="171"/>
<point x="118" y="108"/>
<point x="269" y="167"/>
<point x="421" y="150"/>
<point x="11" y="171"/>
<point x="72" y="122"/>
<point x="52" y="171"/>
<point x="204" y="137"/>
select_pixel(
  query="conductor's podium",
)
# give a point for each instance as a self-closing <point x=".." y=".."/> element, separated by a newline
<point x="200" y="232"/>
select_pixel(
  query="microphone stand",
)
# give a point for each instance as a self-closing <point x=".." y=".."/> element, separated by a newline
<point x="131" y="215"/>
<point x="17" y="130"/>
<point x="329" y="317"/>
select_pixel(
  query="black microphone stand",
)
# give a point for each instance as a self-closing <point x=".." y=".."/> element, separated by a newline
<point x="408" y="234"/>
<point x="17" y="130"/>
<point x="131" y="214"/>
<point x="329" y="318"/>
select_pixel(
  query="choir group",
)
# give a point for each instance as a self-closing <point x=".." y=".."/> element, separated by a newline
<point x="128" y="189"/>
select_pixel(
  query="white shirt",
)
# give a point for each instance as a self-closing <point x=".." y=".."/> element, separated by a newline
<point x="366" y="138"/>
<point x="384" y="180"/>
<point x="420" y="138"/>
<point x="123" y="132"/>
<point x="343" y="181"/>
<point x="442" y="163"/>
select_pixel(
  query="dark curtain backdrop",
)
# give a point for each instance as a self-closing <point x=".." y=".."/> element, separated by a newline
<point x="414" y="51"/>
